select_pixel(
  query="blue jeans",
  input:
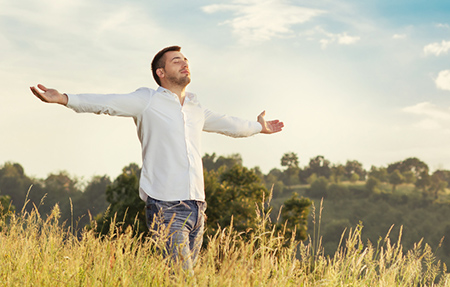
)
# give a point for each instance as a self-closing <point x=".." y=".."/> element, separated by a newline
<point x="181" y="224"/>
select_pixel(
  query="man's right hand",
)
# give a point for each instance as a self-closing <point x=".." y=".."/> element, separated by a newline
<point x="49" y="95"/>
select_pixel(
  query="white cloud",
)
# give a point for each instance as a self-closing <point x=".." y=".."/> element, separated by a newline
<point x="437" y="48"/>
<point x="445" y="26"/>
<point x="443" y="80"/>
<point x="433" y="116"/>
<point x="339" y="38"/>
<point x="399" y="36"/>
<point x="346" y="39"/>
<point x="429" y="124"/>
<point x="264" y="19"/>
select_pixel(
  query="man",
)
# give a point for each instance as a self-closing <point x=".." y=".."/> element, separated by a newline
<point x="169" y="122"/>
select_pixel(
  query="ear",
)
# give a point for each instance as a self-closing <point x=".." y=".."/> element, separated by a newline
<point x="160" y="72"/>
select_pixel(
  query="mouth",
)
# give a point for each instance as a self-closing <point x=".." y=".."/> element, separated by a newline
<point x="185" y="72"/>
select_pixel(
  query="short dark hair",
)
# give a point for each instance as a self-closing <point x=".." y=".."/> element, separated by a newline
<point x="159" y="61"/>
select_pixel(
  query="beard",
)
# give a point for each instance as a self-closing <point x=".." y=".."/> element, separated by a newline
<point x="181" y="81"/>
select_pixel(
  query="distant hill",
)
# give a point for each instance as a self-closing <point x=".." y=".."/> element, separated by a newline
<point x="345" y="205"/>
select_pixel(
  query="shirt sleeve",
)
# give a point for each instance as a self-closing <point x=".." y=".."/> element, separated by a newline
<point x="230" y="126"/>
<point x="126" y="105"/>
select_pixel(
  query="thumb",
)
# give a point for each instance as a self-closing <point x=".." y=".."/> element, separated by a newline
<point x="262" y="114"/>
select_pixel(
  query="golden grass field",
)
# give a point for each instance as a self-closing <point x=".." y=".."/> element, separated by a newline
<point x="38" y="251"/>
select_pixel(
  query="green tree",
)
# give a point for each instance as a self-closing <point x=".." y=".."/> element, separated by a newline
<point x="58" y="188"/>
<point x="373" y="184"/>
<point x="409" y="176"/>
<point x="417" y="167"/>
<point x="320" y="166"/>
<point x="336" y="190"/>
<point x="423" y="181"/>
<point x="379" y="173"/>
<point x="290" y="160"/>
<point x="232" y="193"/>
<point x="437" y="185"/>
<point x="5" y="205"/>
<point x="443" y="175"/>
<point x="355" y="167"/>
<point x="337" y="173"/>
<point x="354" y="177"/>
<point x="14" y="182"/>
<point x="290" y="174"/>
<point x="92" y="201"/>
<point x="212" y="162"/>
<point x="319" y="187"/>
<point x="126" y="207"/>
<point x="396" y="178"/>
<point x="410" y="164"/>
<point x="294" y="214"/>
<point x="274" y="179"/>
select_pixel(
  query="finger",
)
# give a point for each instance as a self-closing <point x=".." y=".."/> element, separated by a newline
<point x="37" y="93"/>
<point x="262" y="114"/>
<point x="42" y="87"/>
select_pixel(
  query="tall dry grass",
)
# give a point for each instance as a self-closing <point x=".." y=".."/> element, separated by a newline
<point x="38" y="251"/>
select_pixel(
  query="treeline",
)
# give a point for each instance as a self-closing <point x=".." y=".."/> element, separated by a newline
<point x="232" y="191"/>
<point x="77" y="200"/>
<point x="404" y="196"/>
<point x="320" y="172"/>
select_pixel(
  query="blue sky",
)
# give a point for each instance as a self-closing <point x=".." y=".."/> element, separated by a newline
<point x="352" y="80"/>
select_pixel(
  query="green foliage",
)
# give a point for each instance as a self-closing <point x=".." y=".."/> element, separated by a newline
<point x="412" y="164"/>
<point x="437" y="185"/>
<point x="212" y="162"/>
<point x="336" y="190"/>
<point x="233" y="193"/>
<point x="355" y="167"/>
<point x="409" y="176"/>
<point x="312" y="178"/>
<point x="320" y="166"/>
<point x="443" y="175"/>
<point x="290" y="174"/>
<point x="232" y="196"/>
<point x="294" y="214"/>
<point x="14" y="182"/>
<point x="93" y="200"/>
<point x="290" y="160"/>
<point x="5" y="205"/>
<point x="126" y="209"/>
<point x="319" y="187"/>
<point x="338" y="173"/>
<point x="416" y="167"/>
<point x="332" y="232"/>
<point x="396" y="178"/>
<point x="354" y="177"/>
<point x="373" y="184"/>
<point x="379" y="209"/>
<point x="273" y="181"/>
<point x="423" y="181"/>
<point x="379" y="173"/>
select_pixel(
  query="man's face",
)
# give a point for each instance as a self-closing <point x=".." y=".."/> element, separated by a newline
<point x="176" y="70"/>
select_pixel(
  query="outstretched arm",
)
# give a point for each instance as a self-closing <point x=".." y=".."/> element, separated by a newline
<point x="49" y="95"/>
<point x="269" y="127"/>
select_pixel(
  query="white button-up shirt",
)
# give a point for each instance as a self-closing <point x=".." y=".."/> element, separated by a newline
<point x="170" y="136"/>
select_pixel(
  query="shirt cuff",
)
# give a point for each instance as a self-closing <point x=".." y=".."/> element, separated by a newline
<point x="72" y="101"/>
<point x="258" y="127"/>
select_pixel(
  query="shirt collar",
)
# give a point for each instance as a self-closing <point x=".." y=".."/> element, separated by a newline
<point x="191" y="97"/>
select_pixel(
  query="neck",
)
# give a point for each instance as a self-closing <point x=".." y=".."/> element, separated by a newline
<point x="180" y="91"/>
